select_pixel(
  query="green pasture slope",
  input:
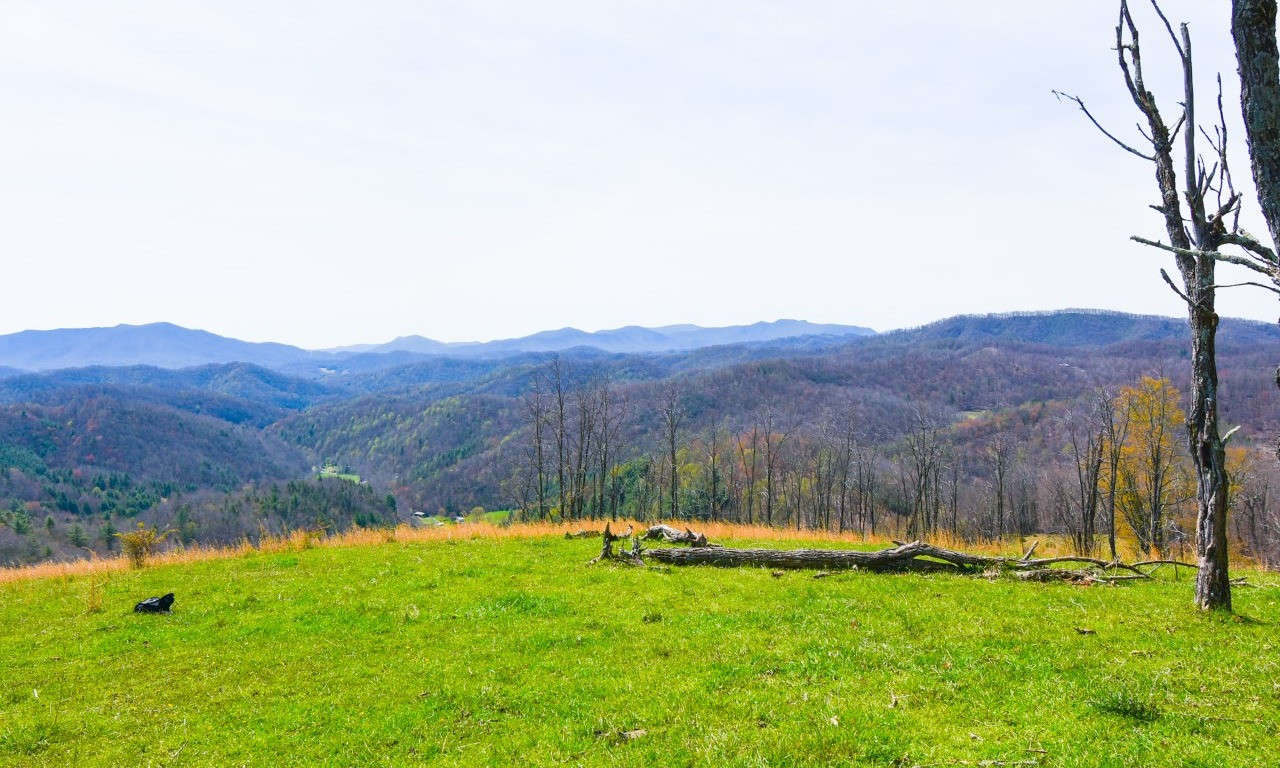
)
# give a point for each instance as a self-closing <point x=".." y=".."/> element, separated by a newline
<point x="515" y="652"/>
<point x="348" y="476"/>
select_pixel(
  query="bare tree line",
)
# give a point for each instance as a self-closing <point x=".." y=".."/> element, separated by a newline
<point x="1105" y="470"/>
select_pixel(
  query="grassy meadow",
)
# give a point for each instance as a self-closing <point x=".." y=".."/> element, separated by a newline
<point x="511" y="650"/>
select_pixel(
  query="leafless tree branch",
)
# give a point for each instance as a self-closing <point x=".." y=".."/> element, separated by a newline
<point x="1080" y="103"/>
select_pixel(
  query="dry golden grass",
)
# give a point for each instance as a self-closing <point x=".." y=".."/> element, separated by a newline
<point x="1048" y="546"/>
<point x="298" y="540"/>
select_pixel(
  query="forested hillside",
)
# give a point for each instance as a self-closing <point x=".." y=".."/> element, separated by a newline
<point x="73" y="473"/>
<point x="251" y="383"/>
<point x="462" y="450"/>
<point x="970" y="417"/>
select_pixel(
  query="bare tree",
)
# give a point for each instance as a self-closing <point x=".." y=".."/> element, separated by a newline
<point x="612" y="413"/>
<point x="713" y="461"/>
<point x="1114" y="415"/>
<point x="1086" y="435"/>
<point x="672" y="416"/>
<point x="773" y="443"/>
<point x="749" y="464"/>
<point x="535" y="403"/>
<point x="1000" y="454"/>
<point x="866" y="477"/>
<point x="586" y="400"/>
<point x="924" y="452"/>
<point x="848" y="443"/>
<point x="1058" y="487"/>
<point x="1194" y="240"/>
<point x="555" y="377"/>
<point x="1255" y="517"/>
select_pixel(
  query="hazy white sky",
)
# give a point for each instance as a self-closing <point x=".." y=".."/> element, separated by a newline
<point x="325" y="173"/>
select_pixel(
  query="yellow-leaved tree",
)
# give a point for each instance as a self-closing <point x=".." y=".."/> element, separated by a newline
<point x="1153" y="479"/>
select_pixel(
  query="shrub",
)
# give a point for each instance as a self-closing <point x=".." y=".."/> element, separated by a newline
<point x="140" y="544"/>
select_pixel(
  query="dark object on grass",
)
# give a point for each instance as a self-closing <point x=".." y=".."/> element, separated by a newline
<point x="155" y="604"/>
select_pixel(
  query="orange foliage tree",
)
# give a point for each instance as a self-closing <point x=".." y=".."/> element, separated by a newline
<point x="1153" y="479"/>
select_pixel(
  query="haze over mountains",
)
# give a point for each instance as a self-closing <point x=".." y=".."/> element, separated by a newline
<point x="165" y="345"/>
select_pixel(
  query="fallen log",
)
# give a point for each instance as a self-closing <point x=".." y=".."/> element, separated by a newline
<point x="1174" y="563"/>
<point x="662" y="532"/>
<point x="1075" y="576"/>
<point x="902" y="558"/>
<point x="1026" y="562"/>
<point x="1045" y="562"/>
<point x="582" y="533"/>
<point x="912" y="556"/>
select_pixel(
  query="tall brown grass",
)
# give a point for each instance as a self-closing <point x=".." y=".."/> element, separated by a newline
<point x="404" y="534"/>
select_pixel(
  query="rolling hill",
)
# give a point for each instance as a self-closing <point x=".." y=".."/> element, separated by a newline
<point x="113" y="432"/>
<point x="242" y="381"/>
<point x="452" y="432"/>
<point x="1077" y="328"/>
<point x="450" y="436"/>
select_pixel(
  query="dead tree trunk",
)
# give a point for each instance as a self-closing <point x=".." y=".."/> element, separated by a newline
<point x="1194" y="240"/>
<point x="672" y="415"/>
<point x="606" y="548"/>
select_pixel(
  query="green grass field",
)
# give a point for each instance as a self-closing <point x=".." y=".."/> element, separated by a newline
<point x="348" y="476"/>
<point x="515" y="652"/>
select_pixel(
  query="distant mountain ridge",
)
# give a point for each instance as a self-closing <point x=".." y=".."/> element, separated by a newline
<point x="630" y="339"/>
<point x="165" y="345"/>
<point x="171" y="347"/>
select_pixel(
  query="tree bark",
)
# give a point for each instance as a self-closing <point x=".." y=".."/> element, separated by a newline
<point x="1213" y="583"/>
<point x="1253" y="28"/>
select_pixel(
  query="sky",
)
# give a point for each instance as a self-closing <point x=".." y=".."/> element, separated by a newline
<point x="327" y="173"/>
